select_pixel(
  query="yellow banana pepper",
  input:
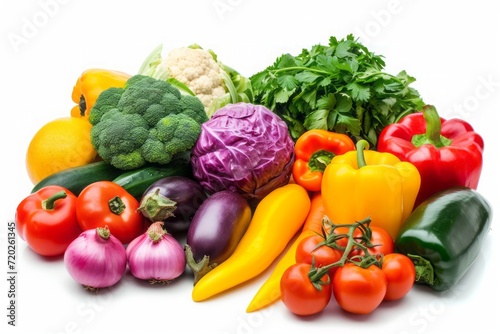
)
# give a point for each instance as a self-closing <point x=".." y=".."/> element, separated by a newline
<point x="276" y="220"/>
<point x="90" y="84"/>
<point x="270" y="292"/>
<point x="365" y="183"/>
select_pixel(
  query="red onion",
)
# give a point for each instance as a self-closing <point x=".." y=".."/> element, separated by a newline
<point x="96" y="259"/>
<point x="156" y="255"/>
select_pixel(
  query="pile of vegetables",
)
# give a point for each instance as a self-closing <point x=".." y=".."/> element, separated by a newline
<point x="321" y="160"/>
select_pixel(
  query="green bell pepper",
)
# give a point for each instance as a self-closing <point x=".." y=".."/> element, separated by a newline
<point x="444" y="235"/>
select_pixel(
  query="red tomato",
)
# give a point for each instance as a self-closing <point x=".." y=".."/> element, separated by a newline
<point x="299" y="294"/>
<point x="105" y="203"/>
<point x="46" y="220"/>
<point x="400" y="274"/>
<point x="323" y="255"/>
<point x="342" y="242"/>
<point x="359" y="290"/>
<point x="381" y="239"/>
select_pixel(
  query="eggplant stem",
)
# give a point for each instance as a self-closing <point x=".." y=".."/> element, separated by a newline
<point x="200" y="268"/>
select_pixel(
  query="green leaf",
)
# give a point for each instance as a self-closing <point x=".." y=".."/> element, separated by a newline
<point x="306" y="76"/>
<point x="344" y="104"/>
<point x="327" y="102"/>
<point x="283" y="95"/>
<point x="352" y="124"/>
<point x="343" y="49"/>
<point x="359" y="92"/>
<point x="286" y="60"/>
<point x="310" y="98"/>
<point x="317" y="119"/>
<point x="287" y="81"/>
<point x="327" y="63"/>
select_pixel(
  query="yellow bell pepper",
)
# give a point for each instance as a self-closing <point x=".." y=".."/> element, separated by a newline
<point x="365" y="183"/>
<point x="277" y="218"/>
<point x="90" y="84"/>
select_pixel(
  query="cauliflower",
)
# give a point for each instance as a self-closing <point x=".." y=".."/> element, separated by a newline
<point x="197" y="69"/>
<point x="197" y="72"/>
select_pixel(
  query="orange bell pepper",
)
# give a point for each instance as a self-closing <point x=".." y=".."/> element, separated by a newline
<point x="90" y="84"/>
<point x="314" y="150"/>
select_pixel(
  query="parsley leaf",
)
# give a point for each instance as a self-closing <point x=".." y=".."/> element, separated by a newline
<point x="340" y="87"/>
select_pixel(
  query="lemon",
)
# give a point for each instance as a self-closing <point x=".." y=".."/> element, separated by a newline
<point x="58" y="145"/>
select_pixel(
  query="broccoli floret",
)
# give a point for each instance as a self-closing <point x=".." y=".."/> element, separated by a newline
<point x="148" y="120"/>
<point x="108" y="99"/>
<point x="173" y="134"/>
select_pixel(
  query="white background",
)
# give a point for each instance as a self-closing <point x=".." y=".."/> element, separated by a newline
<point x="450" y="47"/>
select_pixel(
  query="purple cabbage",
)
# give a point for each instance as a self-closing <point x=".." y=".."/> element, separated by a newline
<point x="244" y="148"/>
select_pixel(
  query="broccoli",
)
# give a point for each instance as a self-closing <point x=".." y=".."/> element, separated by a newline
<point x="148" y="120"/>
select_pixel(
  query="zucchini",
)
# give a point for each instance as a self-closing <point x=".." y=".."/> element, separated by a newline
<point x="138" y="180"/>
<point x="444" y="234"/>
<point x="77" y="178"/>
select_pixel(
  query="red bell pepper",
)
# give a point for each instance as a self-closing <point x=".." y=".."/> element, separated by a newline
<point x="314" y="150"/>
<point x="447" y="153"/>
<point x="47" y="221"/>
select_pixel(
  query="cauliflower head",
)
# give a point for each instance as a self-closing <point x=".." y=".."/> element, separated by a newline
<point x="197" y="69"/>
<point x="198" y="72"/>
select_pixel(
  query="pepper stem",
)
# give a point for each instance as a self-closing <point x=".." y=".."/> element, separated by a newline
<point x="361" y="145"/>
<point x="423" y="269"/>
<point x="432" y="131"/>
<point x="116" y="205"/>
<point x="50" y="203"/>
<point x="82" y="105"/>
<point x="319" y="160"/>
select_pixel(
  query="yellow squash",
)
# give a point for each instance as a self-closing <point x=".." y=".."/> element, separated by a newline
<point x="276" y="220"/>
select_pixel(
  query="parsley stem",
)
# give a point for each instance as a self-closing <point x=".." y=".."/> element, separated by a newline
<point x="301" y="68"/>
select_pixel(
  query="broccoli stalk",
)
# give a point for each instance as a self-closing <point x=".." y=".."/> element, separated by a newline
<point x="148" y="120"/>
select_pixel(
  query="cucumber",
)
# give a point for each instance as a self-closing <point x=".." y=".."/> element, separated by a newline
<point x="137" y="181"/>
<point x="77" y="178"/>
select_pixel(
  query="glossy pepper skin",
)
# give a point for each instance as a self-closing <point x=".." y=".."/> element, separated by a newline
<point x="90" y="84"/>
<point x="447" y="153"/>
<point x="444" y="235"/>
<point x="46" y="220"/>
<point x="365" y="183"/>
<point x="314" y="150"/>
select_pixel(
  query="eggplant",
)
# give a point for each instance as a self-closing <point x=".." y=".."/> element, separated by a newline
<point x="173" y="200"/>
<point x="215" y="231"/>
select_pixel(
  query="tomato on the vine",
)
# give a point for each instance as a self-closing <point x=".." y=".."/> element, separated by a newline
<point x="381" y="239"/>
<point x="342" y="230"/>
<point x="300" y="295"/>
<point x="400" y="274"/>
<point x="359" y="290"/>
<point x="105" y="203"/>
<point x="323" y="255"/>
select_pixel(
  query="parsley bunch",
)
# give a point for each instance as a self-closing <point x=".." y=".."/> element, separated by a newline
<point x="340" y="87"/>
